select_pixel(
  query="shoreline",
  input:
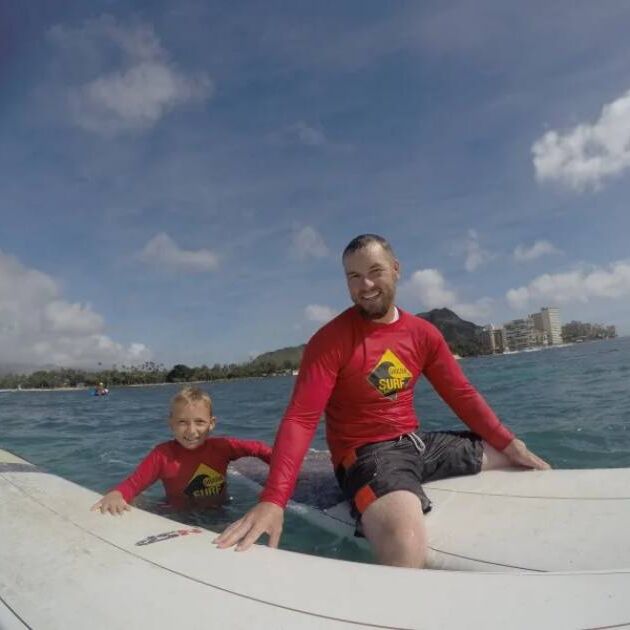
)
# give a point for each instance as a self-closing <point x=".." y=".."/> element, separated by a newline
<point x="87" y="389"/>
<point x="241" y="378"/>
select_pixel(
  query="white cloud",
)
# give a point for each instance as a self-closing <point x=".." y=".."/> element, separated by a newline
<point x="319" y="314"/>
<point x="307" y="134"/>
<point x="303" y="134"/>
<point x="308" y="243"/>
<point x="37" y="326"/>
<point x="139" y="91"/>
<point x="135" y="98"/>
<point x="163" y="251"/>
<point x="67" y="318"/>
<point x="589" y="153"/>
<point x="480" y="309"/>
<point x="427" y="289"/>
<point x="579" y="285"/>
<point x="475" y="255"/>
<point x="522" y="253"/>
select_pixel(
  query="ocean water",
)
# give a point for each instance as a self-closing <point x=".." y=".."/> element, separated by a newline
<point x="570" y="404"/>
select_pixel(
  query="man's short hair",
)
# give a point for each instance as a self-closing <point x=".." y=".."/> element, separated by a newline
<point x="363" y="240"/>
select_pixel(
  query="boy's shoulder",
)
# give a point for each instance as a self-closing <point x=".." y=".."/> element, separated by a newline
<point x="165" y="448"/>
<point x="229" y="444"/>
<point x="171" y="450"/>
<point x="219" y="441"/>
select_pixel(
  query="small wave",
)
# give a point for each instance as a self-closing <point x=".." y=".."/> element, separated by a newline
<point x="108" y="458"/>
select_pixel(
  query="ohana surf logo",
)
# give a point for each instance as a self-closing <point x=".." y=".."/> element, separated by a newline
<point x="205" y="482"/>
<point x="390" y="375"/>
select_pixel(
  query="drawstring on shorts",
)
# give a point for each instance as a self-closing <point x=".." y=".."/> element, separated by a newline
<point x="415" y="440"/>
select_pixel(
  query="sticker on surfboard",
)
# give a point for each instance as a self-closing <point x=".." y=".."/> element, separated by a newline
<point x="149" y="540"/>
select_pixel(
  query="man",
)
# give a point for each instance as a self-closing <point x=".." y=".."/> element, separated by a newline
<point x="361" y="369"/>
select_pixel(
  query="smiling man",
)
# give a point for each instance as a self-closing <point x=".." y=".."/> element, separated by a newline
<point x="361" y="369"/>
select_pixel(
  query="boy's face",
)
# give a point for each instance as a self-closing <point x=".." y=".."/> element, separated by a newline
<point x="191" y="424"/>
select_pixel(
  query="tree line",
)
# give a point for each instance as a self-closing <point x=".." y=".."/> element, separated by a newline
<point x="146" y="374"/>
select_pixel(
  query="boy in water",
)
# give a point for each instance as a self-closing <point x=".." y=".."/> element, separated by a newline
<point x="192" y="467"/>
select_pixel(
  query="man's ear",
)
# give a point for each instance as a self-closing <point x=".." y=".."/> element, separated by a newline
<point x="213" y="422"/>
<point x="397" y="269"/>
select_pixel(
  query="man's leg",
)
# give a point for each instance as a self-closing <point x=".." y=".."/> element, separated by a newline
<point x="394" y="525"/>
<point x="493" y="459"/>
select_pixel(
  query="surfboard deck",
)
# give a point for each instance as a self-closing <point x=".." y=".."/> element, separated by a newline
<point x="513" y="520"/>
<point x="62" y="566"/>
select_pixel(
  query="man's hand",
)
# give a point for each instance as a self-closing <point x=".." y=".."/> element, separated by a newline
<point x="264" y="518"/>
<point x="113" y="503"/>
<point x="519" y="454"/>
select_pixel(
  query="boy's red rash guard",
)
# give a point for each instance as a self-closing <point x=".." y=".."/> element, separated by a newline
<point x="190" y="474"/>
<point x="363" y="375"/>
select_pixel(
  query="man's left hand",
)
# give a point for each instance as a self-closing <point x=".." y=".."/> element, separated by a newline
<point x="520" y="455"/>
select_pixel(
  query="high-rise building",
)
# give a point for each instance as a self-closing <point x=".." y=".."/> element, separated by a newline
<point x="547" y="324"/>
<point x="541" y="336"/>
<point x="580" y="331"/>
<point x="551" y="324"/>
<point x="493" y="339"/>
<point x="538" y="321"/>
<point x="521" y="333"/>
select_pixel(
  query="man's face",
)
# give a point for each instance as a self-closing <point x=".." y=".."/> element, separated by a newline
<point x="191" y="424"/>
<point x="372" y="274"/>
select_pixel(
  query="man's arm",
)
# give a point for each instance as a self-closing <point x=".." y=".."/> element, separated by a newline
<point x="520" y="455"/>
<point x="449" y="381"/>
<point x="316" y="380"/>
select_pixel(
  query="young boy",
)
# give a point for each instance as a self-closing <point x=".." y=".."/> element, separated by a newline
<point x="192" y="467"/>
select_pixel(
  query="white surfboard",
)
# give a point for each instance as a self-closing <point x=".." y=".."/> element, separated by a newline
<point x="64" y="567"/>
<point x="506" y="520"/>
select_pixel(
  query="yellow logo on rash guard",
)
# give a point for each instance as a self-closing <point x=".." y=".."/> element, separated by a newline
<point x="390" y="375"/>
<point x="205" y="482"/>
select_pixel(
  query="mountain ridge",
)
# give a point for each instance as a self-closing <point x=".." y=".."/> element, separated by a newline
<point x="462" y="336"/>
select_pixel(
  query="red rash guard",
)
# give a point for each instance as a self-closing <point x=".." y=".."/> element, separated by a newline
<point x="191" y="476"/>
<point x="362" y="375"/>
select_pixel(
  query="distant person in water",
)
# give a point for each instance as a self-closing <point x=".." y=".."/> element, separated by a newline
<point x="101" y="390"/>
<point x="360" y="369"/>
<point x="192" y="466"/>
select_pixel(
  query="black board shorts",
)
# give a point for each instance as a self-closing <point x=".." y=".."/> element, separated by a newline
<point x="405" y="463"/>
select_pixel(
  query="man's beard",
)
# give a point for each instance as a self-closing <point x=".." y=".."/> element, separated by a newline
<point x="379" y="309"/>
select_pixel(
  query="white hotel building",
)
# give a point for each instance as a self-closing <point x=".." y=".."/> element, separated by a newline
<point x="548" y="322"/>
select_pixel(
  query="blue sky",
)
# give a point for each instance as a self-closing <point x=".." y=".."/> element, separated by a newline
<point x="177" y="180"/>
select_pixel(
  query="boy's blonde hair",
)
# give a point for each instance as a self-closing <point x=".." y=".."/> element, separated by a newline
<point x="188" y="395"/>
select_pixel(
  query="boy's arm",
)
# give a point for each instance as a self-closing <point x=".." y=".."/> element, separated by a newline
<point x="147" y="472"/>
<point x="112" y="502"/>
<point x="249" y="448"/>
<point x="142" y="477"/>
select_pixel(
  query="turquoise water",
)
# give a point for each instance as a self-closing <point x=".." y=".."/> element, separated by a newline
<point x="571" y="405"/>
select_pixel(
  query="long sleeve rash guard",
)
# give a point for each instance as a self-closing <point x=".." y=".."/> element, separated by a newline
<point x="191" y="476"/>
<point x="362" y="375"/>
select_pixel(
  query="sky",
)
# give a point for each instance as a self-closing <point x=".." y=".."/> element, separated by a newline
<point x="178" y="180"/>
